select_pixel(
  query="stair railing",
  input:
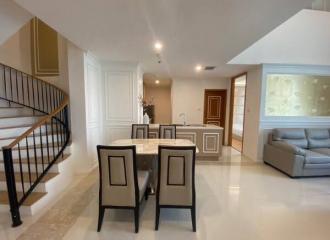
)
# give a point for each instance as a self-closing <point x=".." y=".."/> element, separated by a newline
<point x="30" y="156"/>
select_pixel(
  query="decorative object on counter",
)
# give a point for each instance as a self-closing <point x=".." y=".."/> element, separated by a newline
<point x="121" y="184"/>
<point x="146" y="119"/>
<point x="183" y="115"/>
<point x="150" y="110"/>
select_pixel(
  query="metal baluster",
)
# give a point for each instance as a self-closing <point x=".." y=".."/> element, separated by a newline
<point x="22" y="80"/>
<point x="17" y="97"/>
<point x="38" y="93"/>
<point x="56" y="117"/>
<point x="5" y="80"/>
<point x="47" y="99"/>
<point x="51" y="124"/>
<point x="35" y="154"/>
<point x="11" y="86"/>
<point x="28" y="90"/>
<point x="47" y="141"/>
<point x="54" y="104"/>
<point x="28" y="159"/>
<point x="42" y="96"/>
<point x="42" y="151"/>
<point x="57" y="122"/>
<point x="11" y="187"/>
<point x="33" y="97"/>
<point x="61" y="132"/>
<point x="20" y="167"/>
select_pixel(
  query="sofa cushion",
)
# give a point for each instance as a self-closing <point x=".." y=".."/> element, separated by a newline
<point x="318" y="138"/>
<point x="312" y="157"/>
<point x="324" y="151"/>
<point x="294" y="136"/>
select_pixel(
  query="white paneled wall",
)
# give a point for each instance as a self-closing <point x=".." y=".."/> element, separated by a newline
<point x="103" y="102"/>
<point x="121" y="86"/>
<point x="93" y="84"/>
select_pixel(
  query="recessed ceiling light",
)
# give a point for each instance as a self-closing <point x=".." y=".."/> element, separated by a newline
<point x="198" y="68"/>
<point x="157" y="81"/>
<point x="158" y="46"/>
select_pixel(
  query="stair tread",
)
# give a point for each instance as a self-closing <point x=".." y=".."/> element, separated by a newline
<point x="46" y="178"/>
<point x="39" y="159"/>
<point x="38" y="146"/>
<point x="36" y="135"/>
<point x="21" y="116"/>
<point x="18" y="126"/>
<point x="15" y="107"/>
<point x="33" y="198"/>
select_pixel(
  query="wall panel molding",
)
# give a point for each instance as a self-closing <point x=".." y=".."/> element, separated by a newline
<point x="119" y="98"/>
<point x="44" y="49"/>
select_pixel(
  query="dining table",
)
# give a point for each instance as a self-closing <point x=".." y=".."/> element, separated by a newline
<point x="150" y="146"/>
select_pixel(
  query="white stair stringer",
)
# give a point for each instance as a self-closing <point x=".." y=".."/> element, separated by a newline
<point x="14" y="121"/>
<point x="52" y="187"/>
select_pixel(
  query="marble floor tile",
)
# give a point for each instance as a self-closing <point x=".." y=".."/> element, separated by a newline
<point x="243" y="201"/>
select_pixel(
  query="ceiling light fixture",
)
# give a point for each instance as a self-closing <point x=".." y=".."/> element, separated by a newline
<point x="158" y="46"/>
<point x="198" y="68"/>
<point x="157" y="81"/>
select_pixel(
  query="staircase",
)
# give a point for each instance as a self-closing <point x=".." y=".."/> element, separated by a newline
<point x="34" y="142"/>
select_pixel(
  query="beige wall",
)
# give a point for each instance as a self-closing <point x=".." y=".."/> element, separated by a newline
<point x="162" y="100"/>
<point x="252" y="113"/>
<point x="16" y="52"/>
<point x="188" y="98"/>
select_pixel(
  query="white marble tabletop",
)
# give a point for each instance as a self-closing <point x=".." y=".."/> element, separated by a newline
<point x="150" y="146"/>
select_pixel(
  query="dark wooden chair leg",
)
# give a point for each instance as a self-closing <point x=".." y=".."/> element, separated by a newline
<point x="146" y="194"/>
<point x="157" y="218"/>
<point x="136" y="217"/>
<point x="193" y="218"/>
<point x="101" y="215"/>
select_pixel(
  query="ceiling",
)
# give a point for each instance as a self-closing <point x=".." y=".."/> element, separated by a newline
<point x="150" y="80"/>
<point x="208" y="32"/>
<point x="12" y="18"/>
<point x="308" y="30"/>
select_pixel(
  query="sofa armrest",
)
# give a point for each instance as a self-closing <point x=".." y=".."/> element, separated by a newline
<point x="289" y="148"/>
<point x="284" y="160"/>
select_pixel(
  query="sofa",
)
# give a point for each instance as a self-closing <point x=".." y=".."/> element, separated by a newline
<point x="299" y="152"/>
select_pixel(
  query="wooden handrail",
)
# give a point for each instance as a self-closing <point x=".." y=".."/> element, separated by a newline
<point x="39" y="123"/>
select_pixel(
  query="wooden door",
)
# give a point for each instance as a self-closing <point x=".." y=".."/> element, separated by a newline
<point x="215" y="107"/>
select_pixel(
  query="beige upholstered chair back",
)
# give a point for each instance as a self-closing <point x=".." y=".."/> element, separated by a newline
<point x="176" y="176"/>
<point x="118" y="176"/>
<point x="140" y="131"/>
<point x="167" y="131"/>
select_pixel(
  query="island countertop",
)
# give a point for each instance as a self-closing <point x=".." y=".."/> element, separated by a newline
<point x="207" y="137"/>
<point x="189" y="126"/>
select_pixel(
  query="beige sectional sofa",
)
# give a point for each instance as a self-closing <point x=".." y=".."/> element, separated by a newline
<point x="299" y="152"/>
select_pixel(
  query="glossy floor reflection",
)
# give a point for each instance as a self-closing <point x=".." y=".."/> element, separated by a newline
<point x="234" y="202"/>
<point x="240" y="201"/>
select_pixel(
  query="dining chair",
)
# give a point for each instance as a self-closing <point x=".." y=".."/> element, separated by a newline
<point x="167" y="131"/>
<point x="176" y="180"/>
<point x="122" y="186"/>
<point x="140" y="131"/>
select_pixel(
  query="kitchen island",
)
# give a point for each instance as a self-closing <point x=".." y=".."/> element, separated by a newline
<point x="207" y="137"/>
